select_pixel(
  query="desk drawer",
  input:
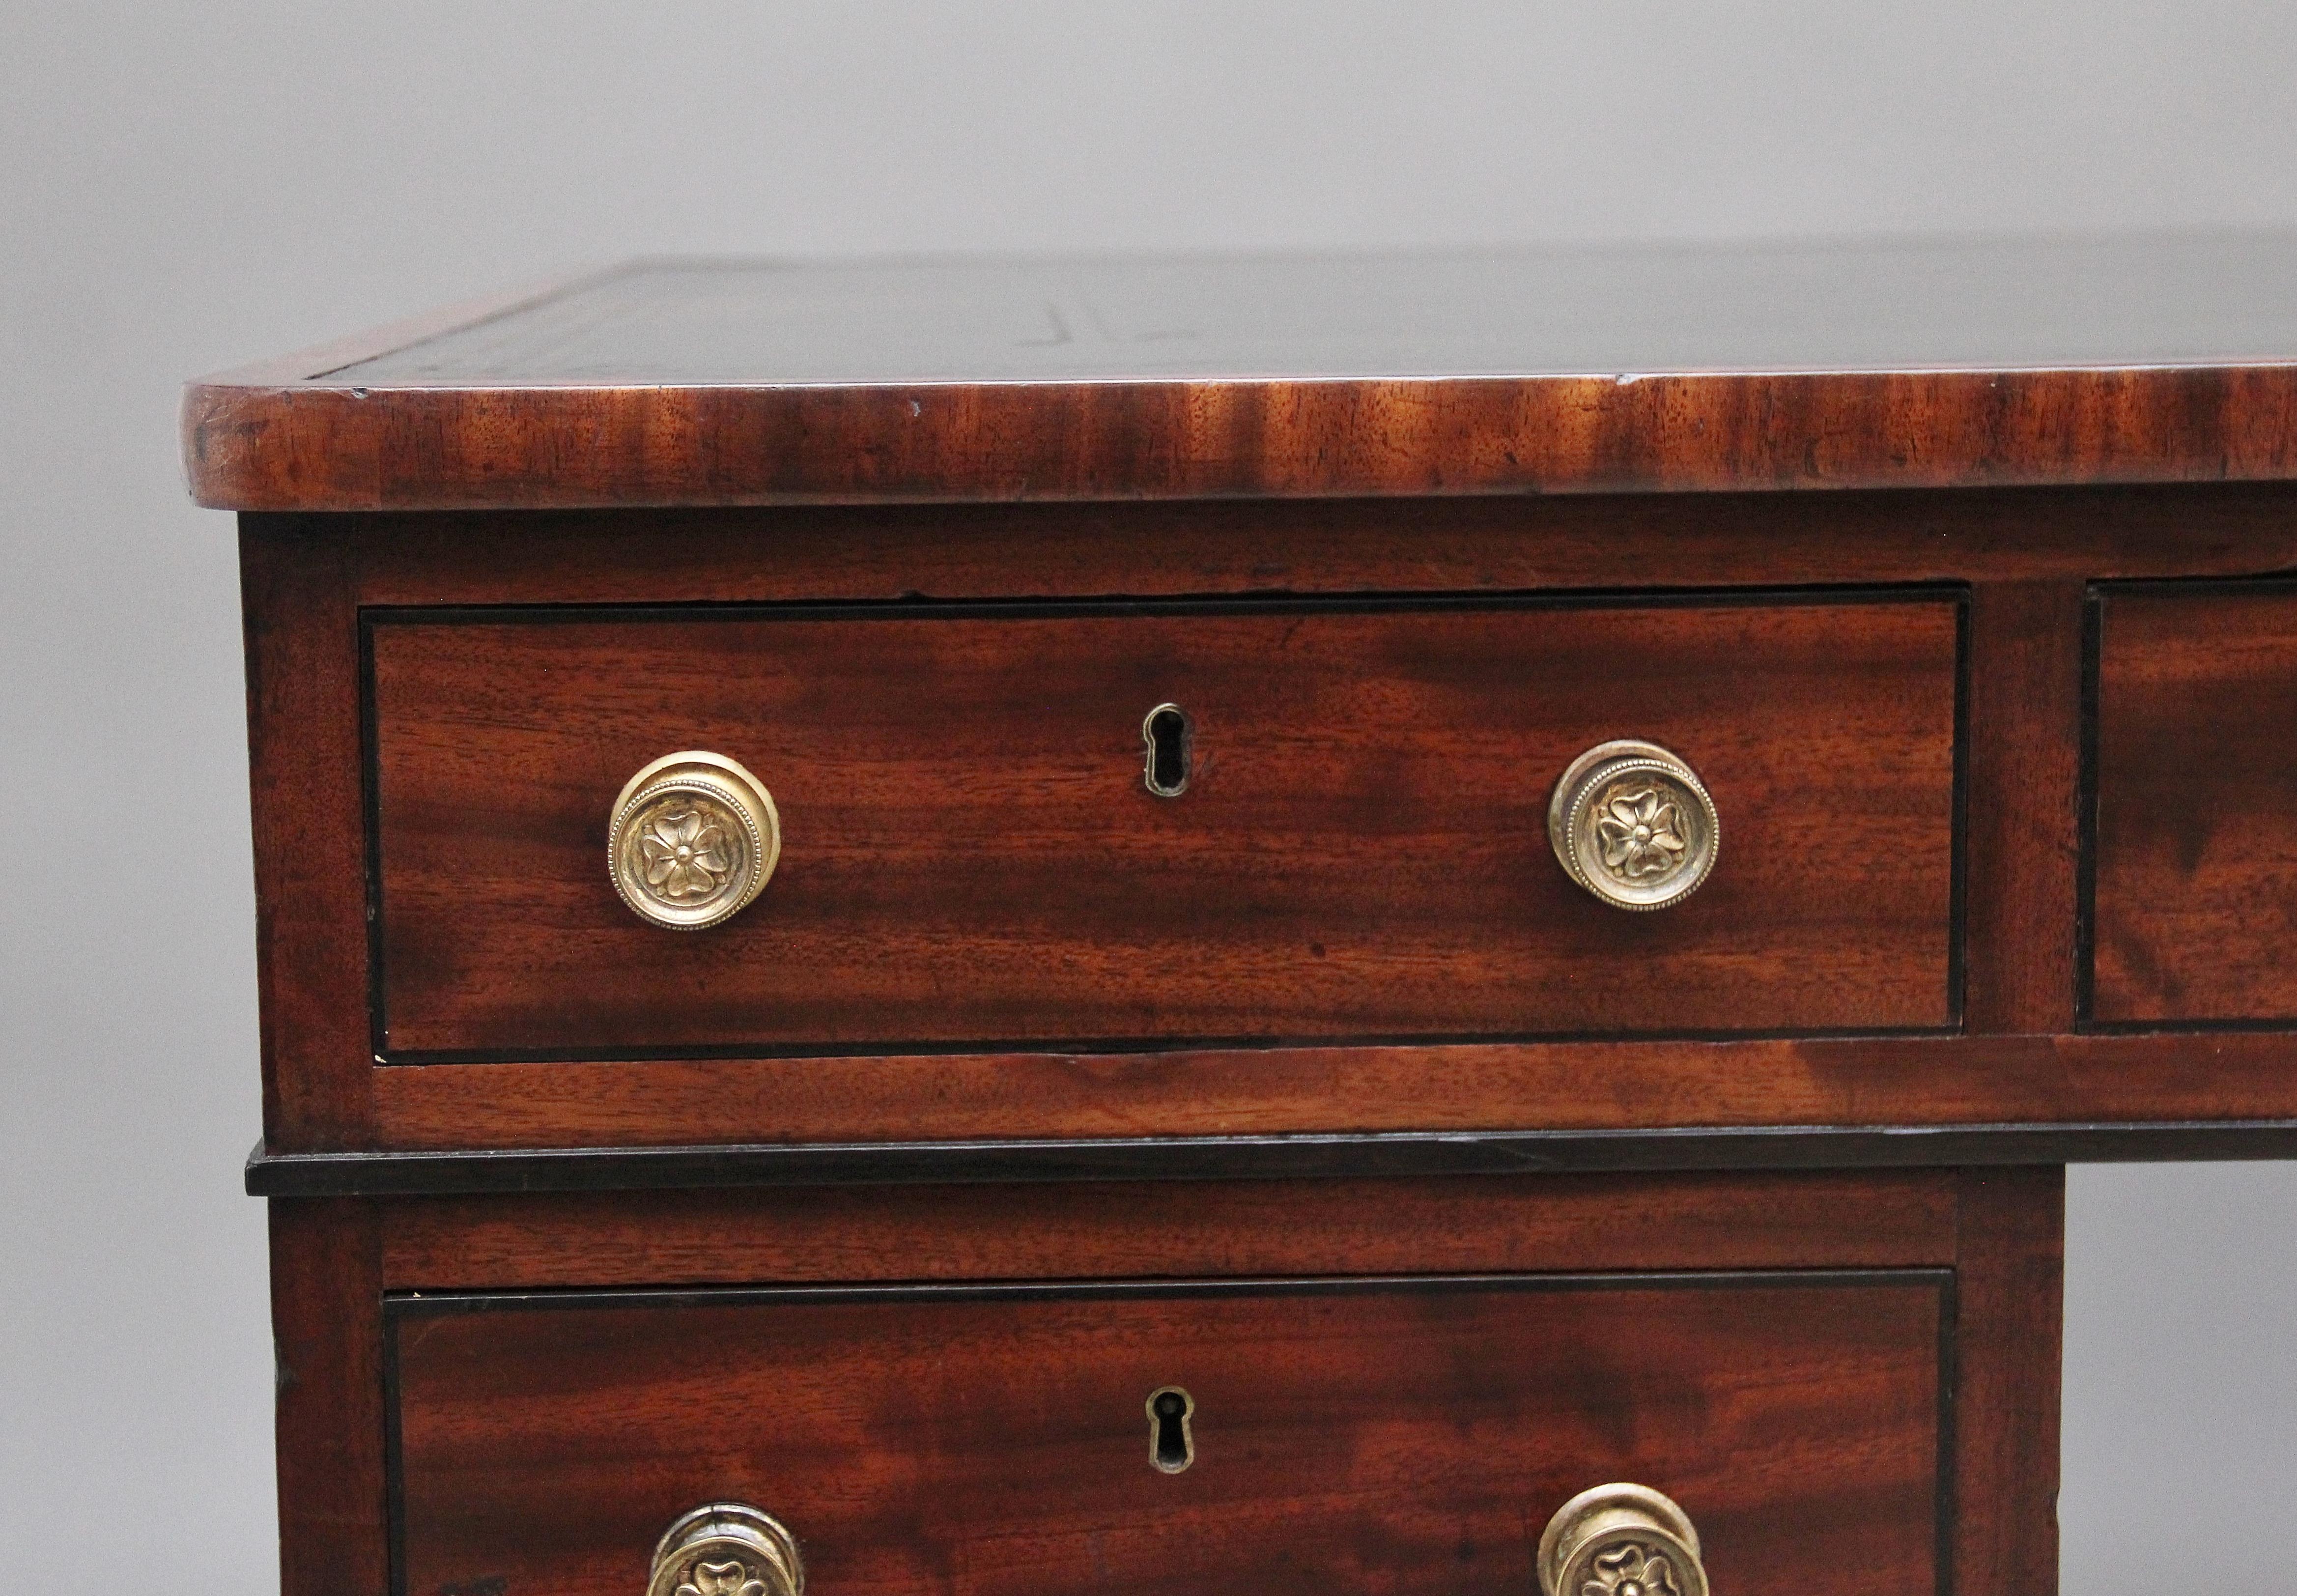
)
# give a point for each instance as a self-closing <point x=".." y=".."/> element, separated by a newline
<point x="1402" y="1435"/>
<point x="2195" y="898"/>
<point x="971" y="855"/>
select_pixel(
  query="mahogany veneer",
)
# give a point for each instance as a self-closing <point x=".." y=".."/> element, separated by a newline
<point x="1019" y="1092"/>
<point x="1350" y="1435"/>
<point x="2195" y="798"/>
<point x="1905" y="363"/>
<point x="536" y="1426"/>
<point x="973" y="857"/>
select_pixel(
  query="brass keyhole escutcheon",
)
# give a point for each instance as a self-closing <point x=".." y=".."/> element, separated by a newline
<point x="1170" y="735"/>
<point x="1172" y="1445"/>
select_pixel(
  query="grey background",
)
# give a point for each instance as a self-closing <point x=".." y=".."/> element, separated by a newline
<point x="185" y="186"/>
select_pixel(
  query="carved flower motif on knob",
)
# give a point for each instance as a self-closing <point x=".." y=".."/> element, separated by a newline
<point x="1640" y="831"/>
<point x="686" y="857"/>
<point x="1632" y="1569"/>
<point x="720" y="1579"/>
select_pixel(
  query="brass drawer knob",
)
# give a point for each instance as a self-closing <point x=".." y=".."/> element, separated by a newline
<point x="726" y="1549"/>
<point x="1632" y="824"/>
<point x="1620" y="1540"/>
<point x="693" y="839"/>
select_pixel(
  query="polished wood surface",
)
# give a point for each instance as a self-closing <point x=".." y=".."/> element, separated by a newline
<point x="1998" y="1230"/>
<point x="2024" y="558"/>
<point x="2195" y="894"/>
<point x="1404" y="1436"/>
<point x="1020" y="1091"/>
<point x="1612" y="543"/>
<point x="327" y="1298"/>
<point x="2178" y="1086"/>
<point x="2023" y="850"/>
<point x="971" y="856"/>
<point x="1915" y="363"/>
<point x="306" y="797"/>
<point x="1090" y="1230"/>
<point x="2009" y="1284"/>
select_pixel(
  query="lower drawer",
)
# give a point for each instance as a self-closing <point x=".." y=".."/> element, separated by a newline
<point x="1390" y="1436"/>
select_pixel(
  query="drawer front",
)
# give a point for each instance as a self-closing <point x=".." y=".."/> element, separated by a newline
<point x="2193" y="896"/>
<point x="971" y="857"/>
<point x="1400" y="1437"/>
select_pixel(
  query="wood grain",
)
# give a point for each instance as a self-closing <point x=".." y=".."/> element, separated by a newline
<point x="306" y="794"/>
<point x="306" y="572"/>
<point x="326" y="1329"/>
<point x="1407" y="1436"/>
<point x="1034" y="948"/>
<point x="2010" y="1293"/>
<point x="2023" y="849"/>
<point x="1498" y="1225"/>
<point x="2194" y="891"/>
<point x="970" y="854"/>
<point x="2183" y="1082"/>
<point x="335" y="449"/>
<point x="1998" y="1228"/>
<point x="1653" y="370"/>
<point x="1328" y="547"/>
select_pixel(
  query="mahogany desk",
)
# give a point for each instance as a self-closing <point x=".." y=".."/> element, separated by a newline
<point x="1402" y="925"/>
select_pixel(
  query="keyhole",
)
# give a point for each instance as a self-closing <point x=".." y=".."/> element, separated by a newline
<point x="1171" y="1447"/>
<point x="1166" y="731"/>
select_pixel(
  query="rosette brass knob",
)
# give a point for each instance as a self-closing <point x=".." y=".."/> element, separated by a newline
<point x="726" y="1549"/>
<point x="1632" y="824"/>
<point x="693" y="839"/>
<point x="1620" y="1540"/>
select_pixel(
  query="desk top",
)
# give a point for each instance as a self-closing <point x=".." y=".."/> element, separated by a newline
<point x="1915" y="363"/>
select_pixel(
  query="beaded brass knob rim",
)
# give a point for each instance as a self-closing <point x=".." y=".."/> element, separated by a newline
<point x="1632" y="824"/>
<point x="726" y="1549"/>
<point x="1621" y="1540"/>
<point x="693" y="839"/>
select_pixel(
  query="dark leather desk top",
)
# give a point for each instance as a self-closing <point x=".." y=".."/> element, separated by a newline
<point x="1898" y="364"/>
